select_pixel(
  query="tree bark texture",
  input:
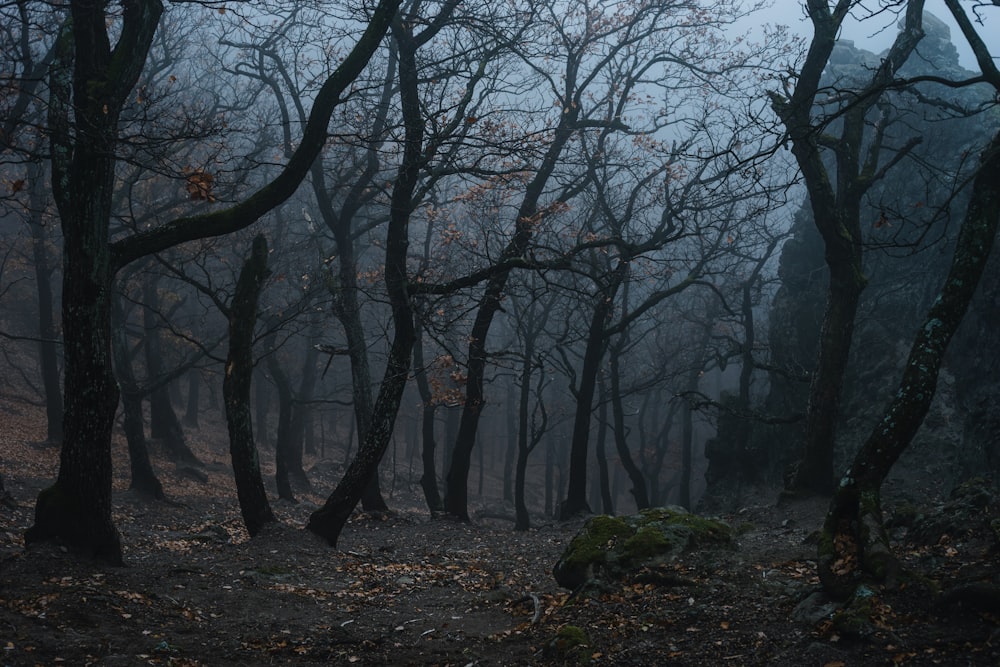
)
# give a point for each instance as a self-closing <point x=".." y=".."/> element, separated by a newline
<point x="855" y="546"/>
<point x="254" y="506"/>
<point x="93" y="79"/>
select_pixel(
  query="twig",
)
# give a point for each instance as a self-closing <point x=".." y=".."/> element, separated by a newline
<point x="538" y="605"/>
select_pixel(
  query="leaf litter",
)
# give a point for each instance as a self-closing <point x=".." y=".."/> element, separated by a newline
<point x="406" y="590"/>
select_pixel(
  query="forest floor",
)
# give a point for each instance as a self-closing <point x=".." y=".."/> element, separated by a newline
<point x="403" y="589"/>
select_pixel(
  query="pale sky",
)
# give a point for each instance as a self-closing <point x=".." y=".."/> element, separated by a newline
<point x="876" y="34"/>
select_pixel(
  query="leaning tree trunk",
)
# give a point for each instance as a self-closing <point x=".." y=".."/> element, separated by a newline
<point x="328" y="521"/>
<point x="854" y="545"/>
<point x="456" y="499"/>
<point x="236" y="390"/>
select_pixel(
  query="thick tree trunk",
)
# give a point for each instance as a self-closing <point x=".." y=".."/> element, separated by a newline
<point x="814" y="472"/>
<point x="254" y="506"/>
<point x="77" y="508"/>
<point x="854" y="545"/>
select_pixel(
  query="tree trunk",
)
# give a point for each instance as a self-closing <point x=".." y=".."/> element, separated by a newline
<point x="687" y="445"/>
<point x="261" y="406"/>
<point x="236" y="391"/>
<point x="428" y="478"/>
<point x="854" y="545"/>
<point x="510" y="451"/>
<point x="457" y="495"/>
<point x="283" y="442"/>
<point x="576" y="492"/>
<point x="328" y="521"/>
<point x="77" y="508"/>
<point x="522" y="520"/>
<point x="48" y="354"/>
<point x="604" y="479"/>
<point x="550" y="478"/>
<point x="163" y="422"/>
<point x="835" y="199"/>
<point x="814" y="472"/>
<point x="193" y="398"/>
<point x="302" y="416"/>
<point x="144" y="479"/>
<point x="639" y="491"/>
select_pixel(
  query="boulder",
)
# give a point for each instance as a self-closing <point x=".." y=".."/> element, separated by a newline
<point x="611" y="548"/>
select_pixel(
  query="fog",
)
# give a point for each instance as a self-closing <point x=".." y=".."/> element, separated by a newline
<point x="536" y="259"/>
<point x="873" y="27"/>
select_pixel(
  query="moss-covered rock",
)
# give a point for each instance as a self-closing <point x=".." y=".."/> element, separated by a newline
<point x="612" y="547"/>
<point x="571" y="646"/>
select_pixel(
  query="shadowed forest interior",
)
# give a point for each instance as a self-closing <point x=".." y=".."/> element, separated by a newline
<point x="566" y="314"/>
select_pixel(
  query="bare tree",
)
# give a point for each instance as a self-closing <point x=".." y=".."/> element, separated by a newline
<point x="99" y="58"/>
<point x="855" y="546"/>
<point x="859" y="153"/>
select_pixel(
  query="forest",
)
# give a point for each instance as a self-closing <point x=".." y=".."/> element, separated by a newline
<point x="524" y="332"/>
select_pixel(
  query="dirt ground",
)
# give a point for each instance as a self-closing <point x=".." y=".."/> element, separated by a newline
<point x="405" y="590"/>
